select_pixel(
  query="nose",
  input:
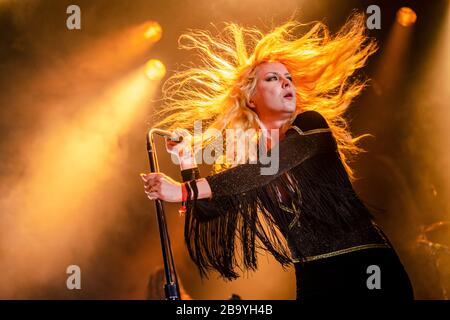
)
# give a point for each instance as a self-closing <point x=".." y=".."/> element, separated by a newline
<point x="285" y="83"/>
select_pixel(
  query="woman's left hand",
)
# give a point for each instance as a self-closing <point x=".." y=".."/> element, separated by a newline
<point x="161" y="186"/>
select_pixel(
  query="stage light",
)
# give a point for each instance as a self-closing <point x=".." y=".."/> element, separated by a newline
<point x="406" y="16"/>
<point x="73" y="157"/>
<point x="392" y="63"/>
<point x="153" y="31"/>
<point x="155" y="69"/>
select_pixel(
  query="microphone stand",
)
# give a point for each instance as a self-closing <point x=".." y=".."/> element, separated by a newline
<point x="171" y="287"/>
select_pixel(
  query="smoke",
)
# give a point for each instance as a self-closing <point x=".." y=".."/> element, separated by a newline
<point x="71" y="115"/>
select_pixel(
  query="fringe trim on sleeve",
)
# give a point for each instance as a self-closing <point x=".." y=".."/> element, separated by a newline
<point x="274" y="217"/>
<point x="290" y="215"/>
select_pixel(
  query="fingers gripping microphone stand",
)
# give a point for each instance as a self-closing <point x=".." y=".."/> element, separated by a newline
<point x="171" y="287"/>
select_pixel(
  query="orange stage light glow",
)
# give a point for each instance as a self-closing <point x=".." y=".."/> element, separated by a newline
<point x="155" y="69"/>
<point x="153" y="31"/>
<point x="406" y="16"/>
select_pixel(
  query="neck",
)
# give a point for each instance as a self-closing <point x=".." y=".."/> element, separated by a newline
<point x="273" y="124"/>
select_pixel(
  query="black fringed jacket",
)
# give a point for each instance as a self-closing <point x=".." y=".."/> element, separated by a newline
<point x="308" y="210"/>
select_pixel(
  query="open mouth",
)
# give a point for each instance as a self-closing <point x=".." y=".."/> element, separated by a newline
<point x="288" y="96"/>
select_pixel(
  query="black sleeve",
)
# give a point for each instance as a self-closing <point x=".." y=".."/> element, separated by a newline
<point x="309" y="135"/>
<point x="244" y="204"/>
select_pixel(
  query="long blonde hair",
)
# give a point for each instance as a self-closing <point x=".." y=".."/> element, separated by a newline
<point x="321" y="65"/>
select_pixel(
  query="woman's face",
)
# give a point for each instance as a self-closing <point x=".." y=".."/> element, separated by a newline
<point x="274" y="96"/>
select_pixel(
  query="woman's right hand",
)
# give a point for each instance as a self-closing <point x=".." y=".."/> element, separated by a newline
<point x="182" y="149"/>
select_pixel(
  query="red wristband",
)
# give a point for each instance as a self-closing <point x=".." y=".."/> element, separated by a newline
<point x="183" y="192"/>
<point x="184" y="196"/>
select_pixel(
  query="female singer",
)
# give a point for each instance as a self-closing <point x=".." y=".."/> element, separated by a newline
<point x="306" y="214"/>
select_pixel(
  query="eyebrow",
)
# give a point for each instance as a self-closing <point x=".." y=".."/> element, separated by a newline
<point x="287" y="73"/>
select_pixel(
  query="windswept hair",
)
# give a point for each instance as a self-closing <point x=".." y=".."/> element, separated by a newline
<point x="218" y="91"/>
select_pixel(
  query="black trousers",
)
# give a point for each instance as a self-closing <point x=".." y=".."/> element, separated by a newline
<point x="374" y="273"/>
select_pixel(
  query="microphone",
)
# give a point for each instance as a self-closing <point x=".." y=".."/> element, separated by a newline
<point x="167" y="134"/>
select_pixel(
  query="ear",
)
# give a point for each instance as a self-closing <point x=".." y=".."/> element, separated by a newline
<point x="251" y="104"/>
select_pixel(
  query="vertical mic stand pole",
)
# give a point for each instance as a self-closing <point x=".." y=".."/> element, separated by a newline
<point x="171" y="287"/>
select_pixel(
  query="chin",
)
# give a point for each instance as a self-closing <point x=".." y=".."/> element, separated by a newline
<point x="290" y="108"/>
<point x="284" y="109"/>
